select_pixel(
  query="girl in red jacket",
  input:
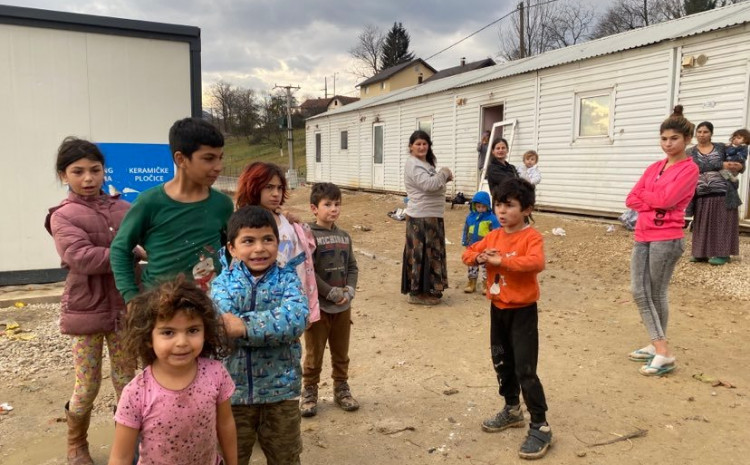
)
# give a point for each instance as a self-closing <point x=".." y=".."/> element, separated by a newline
<point x="83" y="226"/>
<point x="660" y="198"/>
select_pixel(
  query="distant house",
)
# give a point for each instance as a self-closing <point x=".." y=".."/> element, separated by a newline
<point x="461" y="68"/>
<point x="396" y="77"/>
<point x="316" y="106"/>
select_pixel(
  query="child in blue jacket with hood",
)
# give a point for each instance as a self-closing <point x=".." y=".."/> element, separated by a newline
<point x="265" y="312"/>
<point x="479" y="222"/>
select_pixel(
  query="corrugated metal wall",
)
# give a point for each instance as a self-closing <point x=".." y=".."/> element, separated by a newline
<point x="580" y="175"/>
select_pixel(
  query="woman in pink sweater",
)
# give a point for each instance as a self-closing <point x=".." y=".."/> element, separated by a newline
<point x="660" y="198"/>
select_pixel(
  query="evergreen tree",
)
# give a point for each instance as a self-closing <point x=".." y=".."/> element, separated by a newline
<point x="395" y="47"/>
<point x="696" y="6"/>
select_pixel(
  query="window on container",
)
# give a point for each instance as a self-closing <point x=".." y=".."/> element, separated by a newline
<point x="425" y="124"/>
<point x="377" y="144"/>
<point x="594" y="115"/>
<point x="344" y="140"/>
<point x="382" y="85"/>
<point x="317" y="148"/>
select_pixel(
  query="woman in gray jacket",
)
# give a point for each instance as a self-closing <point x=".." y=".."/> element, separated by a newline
<point x="424" y="275"/>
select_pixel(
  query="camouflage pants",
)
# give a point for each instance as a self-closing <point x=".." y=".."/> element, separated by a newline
<point x="276" y="426"/>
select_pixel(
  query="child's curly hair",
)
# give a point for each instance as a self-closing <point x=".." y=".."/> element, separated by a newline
<point x="163" y="303"/>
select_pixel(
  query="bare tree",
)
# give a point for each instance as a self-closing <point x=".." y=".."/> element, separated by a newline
<point x="625" y="15"/>
<point x="246" y="119"/>
<point x="222" y="95"/>
<point x="571" y="24"/>
<point x="547" y="26"/>
<point x="368" y="51"/>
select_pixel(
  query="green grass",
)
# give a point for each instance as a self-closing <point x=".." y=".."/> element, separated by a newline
<point x="238" y="154"/>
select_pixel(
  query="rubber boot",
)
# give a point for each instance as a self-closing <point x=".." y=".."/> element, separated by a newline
<point x="78" y="446"/>
<point x="471" y="286"/>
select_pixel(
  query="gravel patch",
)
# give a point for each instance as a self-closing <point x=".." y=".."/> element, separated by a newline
<point x="26" y="364"/>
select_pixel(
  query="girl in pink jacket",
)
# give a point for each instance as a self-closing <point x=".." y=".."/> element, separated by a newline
<point x="83" y="226"/>
<point x="660" y="198"/>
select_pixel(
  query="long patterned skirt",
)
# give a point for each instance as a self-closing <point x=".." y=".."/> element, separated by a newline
<point x="423" y="270"/>
<point x="716" y="230"/>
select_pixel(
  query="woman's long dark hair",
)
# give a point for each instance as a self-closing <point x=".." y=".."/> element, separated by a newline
<point x="421" y="135"/>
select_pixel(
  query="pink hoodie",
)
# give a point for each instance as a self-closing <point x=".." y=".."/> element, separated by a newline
<point x="660" y="198"/>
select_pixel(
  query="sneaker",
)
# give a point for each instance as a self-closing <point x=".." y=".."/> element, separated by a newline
<point x="342" y="395"/>
<point x="718" y="261"/>
<point x="508" y="417"/>
<point x="536" y="444"/>
<point x="698" y="259"/>
<point x="308" y="405"/>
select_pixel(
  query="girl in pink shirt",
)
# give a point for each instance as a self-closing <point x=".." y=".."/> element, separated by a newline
<point x="660" y="198"/>
<point x="179" y="406"/>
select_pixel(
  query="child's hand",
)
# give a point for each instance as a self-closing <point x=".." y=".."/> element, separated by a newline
<point x="336" y="295"/>
<point x="733" y="166"/>
<point x="140" y="253"/>
<point x="492" y="257"/>
<point x="494" y="260"/>
<point x="234" y="326"/>
<point x="343" y="300"/>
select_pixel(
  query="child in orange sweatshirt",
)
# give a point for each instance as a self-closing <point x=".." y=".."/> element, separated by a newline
<point x="514" y="255"/>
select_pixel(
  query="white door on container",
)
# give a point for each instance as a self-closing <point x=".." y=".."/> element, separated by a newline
<point x="378" y="181"/>
<point x="318" y="158"/>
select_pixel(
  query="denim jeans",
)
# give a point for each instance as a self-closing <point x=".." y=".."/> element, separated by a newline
<point x="651" y="268"/>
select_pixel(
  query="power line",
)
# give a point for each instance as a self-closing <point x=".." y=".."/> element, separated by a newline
<point x="485" y="27"/>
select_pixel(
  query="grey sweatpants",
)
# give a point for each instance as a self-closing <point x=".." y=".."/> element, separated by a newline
<point x="651" y="268"/>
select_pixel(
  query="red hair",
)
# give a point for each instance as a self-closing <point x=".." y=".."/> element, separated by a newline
<point x="253" y="179"/>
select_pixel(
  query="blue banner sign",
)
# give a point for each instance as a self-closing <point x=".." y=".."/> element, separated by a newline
<point x="132" y="168"/>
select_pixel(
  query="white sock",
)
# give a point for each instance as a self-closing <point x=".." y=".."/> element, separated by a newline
<point x="659" y="361"/>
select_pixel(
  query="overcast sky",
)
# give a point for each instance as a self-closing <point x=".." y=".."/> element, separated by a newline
<point x="260" y="43"/>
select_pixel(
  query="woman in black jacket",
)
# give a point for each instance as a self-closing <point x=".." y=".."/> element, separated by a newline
<point x="499" y="169"/>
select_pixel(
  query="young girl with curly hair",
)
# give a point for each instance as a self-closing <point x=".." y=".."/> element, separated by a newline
<point x="179" y="406"/>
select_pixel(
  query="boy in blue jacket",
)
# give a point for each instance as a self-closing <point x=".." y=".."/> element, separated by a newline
<point x="265" y="312"/>
<point x="479" y="222"/>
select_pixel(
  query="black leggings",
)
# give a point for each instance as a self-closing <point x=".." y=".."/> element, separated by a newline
<point x="514" y="342"/>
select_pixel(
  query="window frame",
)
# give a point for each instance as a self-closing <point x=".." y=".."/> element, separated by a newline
<point x="382" y="143"/>
<point x="578" y="99"/>
<point x="318" y="147"/>
<point x="344" y="139"/>
<point x="425" y="119"/>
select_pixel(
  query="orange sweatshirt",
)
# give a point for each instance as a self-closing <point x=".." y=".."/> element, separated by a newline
<point x="523" y="259"/>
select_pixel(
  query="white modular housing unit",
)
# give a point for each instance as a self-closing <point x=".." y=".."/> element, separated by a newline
<point x="105" y="79"/>
<point x="591" y="110"/>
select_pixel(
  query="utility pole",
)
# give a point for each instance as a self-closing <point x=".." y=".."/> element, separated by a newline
<point x="325" y="86"/>
<point x="334" y="84"/>
<point x="291" y="174"/>
<point x="522" y="31"/>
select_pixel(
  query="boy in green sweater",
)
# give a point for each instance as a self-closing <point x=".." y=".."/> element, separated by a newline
<point x="182" y="223"/>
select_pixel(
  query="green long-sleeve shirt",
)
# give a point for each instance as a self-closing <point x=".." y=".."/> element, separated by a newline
<point x="178" y="237"/>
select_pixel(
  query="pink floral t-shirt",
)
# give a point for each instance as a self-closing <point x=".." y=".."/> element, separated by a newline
<point x="176" y="427"/>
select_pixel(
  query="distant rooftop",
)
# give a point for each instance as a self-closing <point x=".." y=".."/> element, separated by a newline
<point x="388" y="72"/>
<point x="462" y="68"/>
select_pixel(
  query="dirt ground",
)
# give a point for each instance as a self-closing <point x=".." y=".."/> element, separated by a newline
<point x="424" y="378"/>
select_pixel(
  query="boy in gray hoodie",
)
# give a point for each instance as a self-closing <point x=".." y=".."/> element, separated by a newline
<point x="336" y="276"/>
